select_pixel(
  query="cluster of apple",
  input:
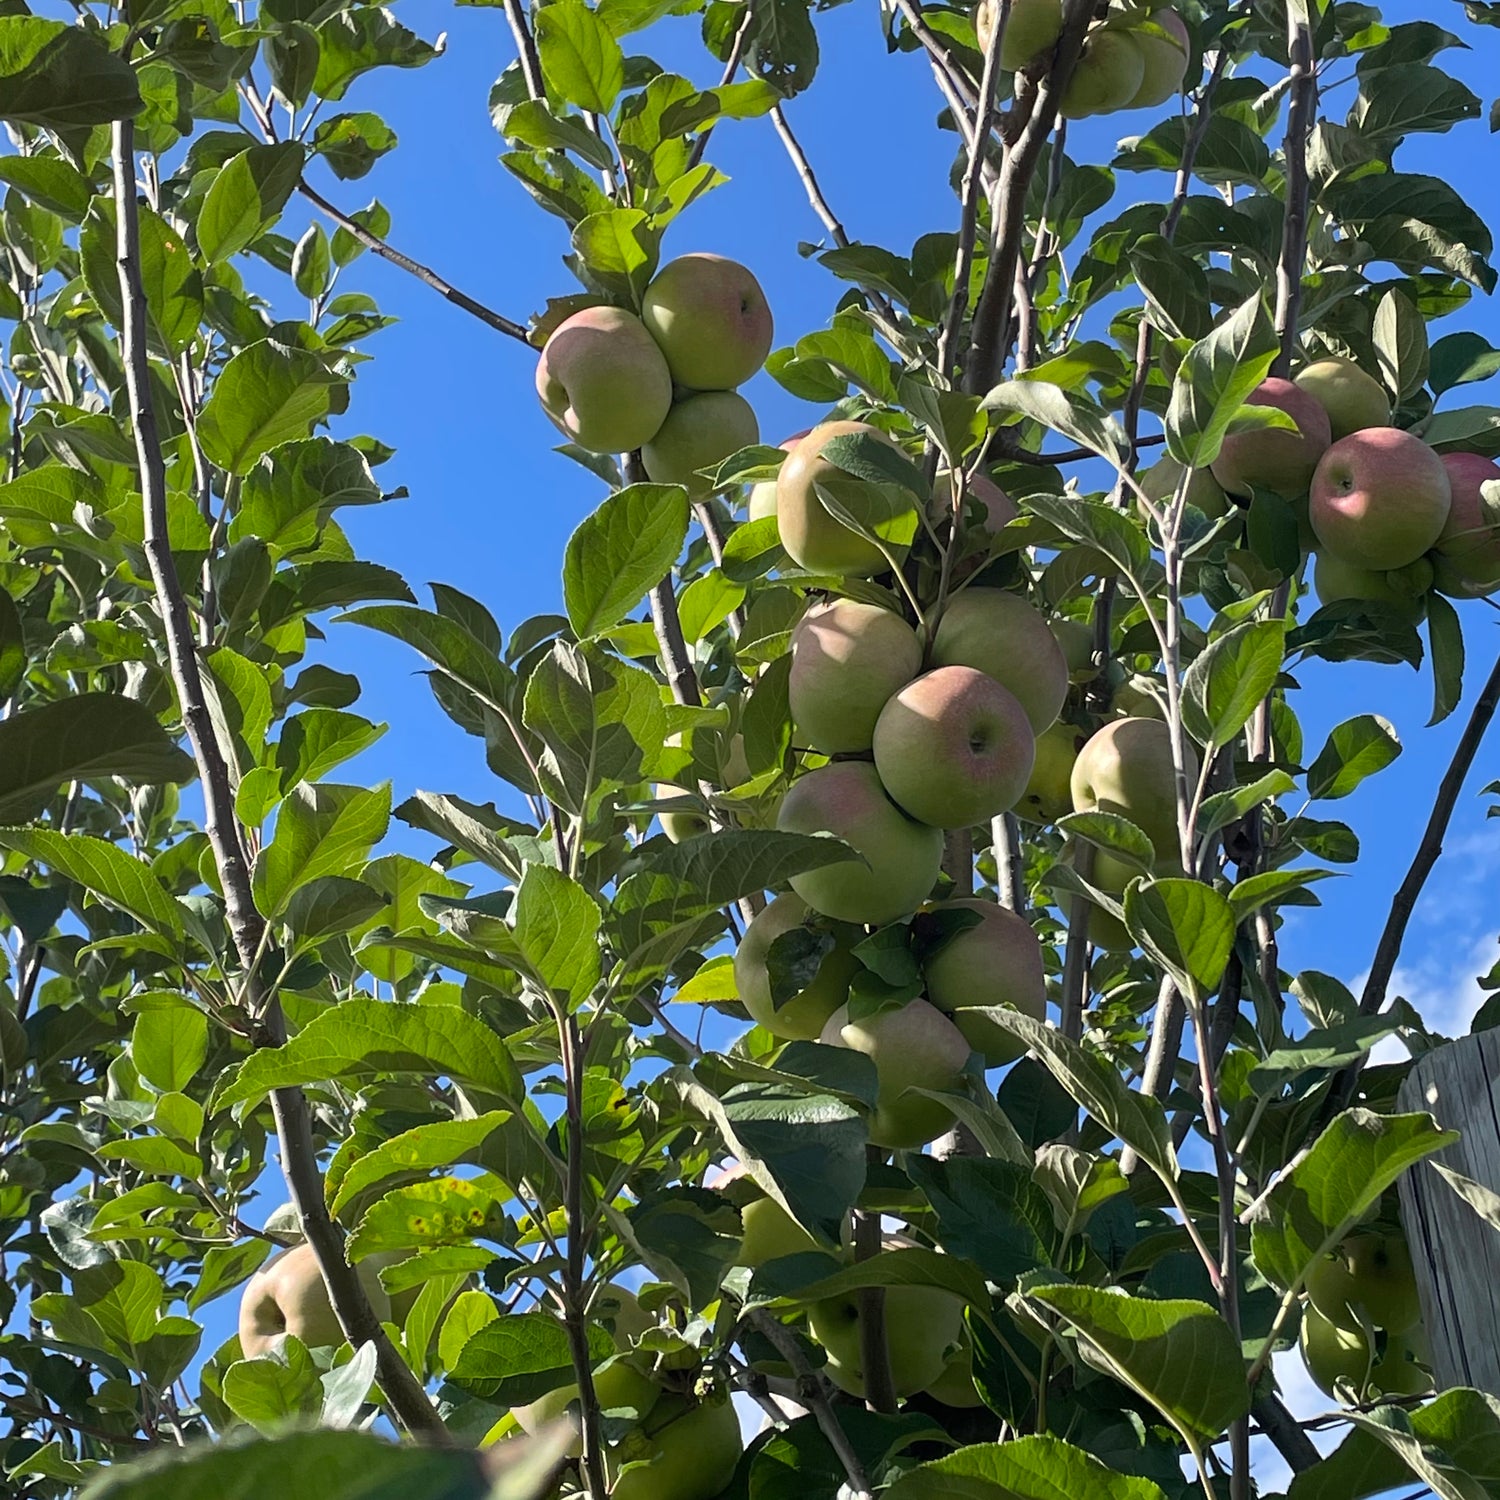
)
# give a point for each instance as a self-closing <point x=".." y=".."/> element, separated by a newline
<point x="1361" y="1335"/>
<point x="1133" y="58"/>
<point x="663" y="382"/>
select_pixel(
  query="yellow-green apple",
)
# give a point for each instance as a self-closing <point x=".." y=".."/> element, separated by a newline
<point x="1164" y="59"/>
<point x="955" y="1386"/>
<point x="710" y="319"/>
<point x="699" y="432"/>
<point x="1380" y="498"/>
<point x="1140" y="696"/>
<point x="1126" y="769"/>
<point x="762" y="498"/>
<point x="923" y="1327"/>
<point x="1467" y="557"/>
<point x="684" y="1450"/>
<point x="1352" y="399"/>
<point x="803" y="1014"/>
<point x="1049" y="795"/>
<point x="287" y="1296"/>
<point x="896" y="860"/>
<point x="1370" y="1274"/>
<point x="1076" y="637"/>
<point x="1400" y="1370"/>
<point x="1001" y="634"/>
<point x="1333" y="1354"/>
<point x="1204" y="492"/>
<point x="813" y="539"/>
<point x="847" y="660"/>
<point x="680" y="824"/>
<point x="1272" y="458"/>
<point x="769" y="1233"/>
<point x="1031" y="29"/>
<point x="998" y="961"/>
<point x="954" y="748"/>
<point x="1110" y="72"/>
<point x="913" y="1046"/>
<point x="1403" y="589"/>
<point x="603" y="380"/>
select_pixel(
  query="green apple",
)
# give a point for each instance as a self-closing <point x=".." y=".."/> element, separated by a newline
<point x="683" y="1451"/>
<point x="1271" y="458"/>
<point x="1110" y="73"/>
<point x="1076" y="637"/>
<point x="1369" y="1274"/>
<point x="1031" y="29"/>
<point x="999" y="633"/>
<point x="698" y="433"/>
<point x="1049" y="795"/>
<point x="954" y="748"/>
<point x="913" y="1046"/>
<point x="896" y="860"/>
<point x="711" y="321"/>
<point x="1333" y="1355"/>
<point x="762" y="498"/>
<point x="1352" y="399"/>
<point x="288" y="1296"/>
<point x="1126" y="769"/>
<point x="1164" y="59"/>
<point x="1334" y="578"/>
<point x="813" y="539"/>
<point x="955" y="1386"/>
<point x="998" y="961"/>
<point x="848" y="659"/>
<point x="680" y="825"/>
<point x="1139" y="696"/>
<point x="800" y="1018"/>
<point x="1380" y="499"/>
<point x="603" y="381"/>
<point x="923" y="1327"/>
<point x="1204" y="492"/>
<point x="1467" y="560"/>
<point x="770" y="1233"/>
<point x="1401" y="1371"/>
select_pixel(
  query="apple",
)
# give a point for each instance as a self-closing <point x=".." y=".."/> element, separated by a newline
<point x="987" y="510"/>
<point x="1334" y="578"/>
<point x="955" y="1386"/>
<point x="1333" y="1354"/>
<point x="896" y="860"/>
<point x="954" y="748"/>
<point x="1048" y="795"/>
<point x="1270" y="458"/>
<point x="913" y="1046"/>
<point x="603" y="381"/>
<point x="923" y="1327"/>
<point x="762" y="498"/>
<point x="1000" y="634"/>
<point x="996" y="962"/>
<point x="1139" y="696"/>
<point x="1380" y="498"/>
<point x="711" y="321"/>
<point x="698" y="433"/>
<point x="1468" y="549"/>
<point x="1164" y="59"/>
<point x="682" y="825"/>
<point x="813" y="539"/>
<point x="1204" y="492"/>
<point x="1031" y="29"/>
<point x="1370" y="1274"/>
<point x="683" y="1451"/>
<point x="1352" y="399"/>
<point x="1126" y="769"/>
<point x="287" y="1296"/>
<point x="1111" y="71"/>
<point x="848" y="659"/>
<point x="803" y="1015"/>
<point x="770" y="1233"/>
<point x="1400" y="1370"/>
<point x="1076" y="637"/>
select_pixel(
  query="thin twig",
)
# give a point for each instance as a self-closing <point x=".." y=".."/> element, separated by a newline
<point x="531" y="62"/>
<point x="713" y="534"/>
<point x="1301" y="109"/>
<point x="731" y="67"/>
<point x="951" y="79"/>
<point x="815" y="197"/>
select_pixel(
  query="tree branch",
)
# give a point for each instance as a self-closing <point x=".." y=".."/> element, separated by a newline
<point x="874" y="1352"/>
<point x="1286" y="1436"/>
<point x="531" y="62"/>
<point x="1301" y="109"/>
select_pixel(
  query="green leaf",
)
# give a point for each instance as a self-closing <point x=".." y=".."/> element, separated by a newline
<point x="103" y="869"/>
<point x="1227" y="682"/>
<point x="1067" y="413"/>
<point x="246" y="198"/>
<point x="352" y="144"/>
<point x="49" y="182"/>
<point x="443" y="1143"/>
<point x="172" y="283"/>
<point x="1415" y="221"/>
<point x="268" y="394"/>
<point x="1445" y="647"/>
<point x="320" y="830"/>
<point x="581" y="60"/>
<point x="429" y="1215"/>
<point x="1247" y="896"/>
<point x="902" y="1267"/>
<point x="532" y="123"/>
<point x="1321" y="1049"/>
<point x="1180" y="1355"/>
<point x="1213" y="381"/>
<point x="1357" y="748"/>
<point x="1461" y="359"/>
<point x="522" y="1356"/>
<point x="989" y="1212"/>
<point x="450" y="647"/>
<point x="1098" y="525"/>
<point x="1400" y="337"/>
<point x="1114" y="834"/>
<point x="62" y="77"/>
<point x="619" y="552"/>
<point x="1186" y="925"/>
<point x="1027" y="1468"/>
<point x="352" y="42"/>
<point x="86" y="738"/>
<point x="1326" y="1193"/>
<point x="331" y="904"/>
<point x="226" y="1267"/>
<point x="557" y="928"/>
<point x="168" y="1045"/>
<point x="271" y="1393"/>
<point x="1175" y="285"/>
<point x="1224" y="808"/>
<point x="1411" y="97"/>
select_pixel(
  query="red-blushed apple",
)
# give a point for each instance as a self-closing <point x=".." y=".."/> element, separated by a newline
<point x="1403" y="590"/>
<point x="802" y="1015"/>
<point x="1164" y="59"/>
<point x="1049" y="792"/>
<point x="1109" y="75"/>
<point x="603" y="381"/>
<point x="913" y="1046"/>
<point x="1001" y="634"/>
<point x="954" y="748"/>
<point x="1126" y="769"/>
<point x="1204" y="492"/>
<point x="1380" y="499"/>
<point x="1031" y="29"/>
<point x="684" y="1450"/>
<point x="710" y="319"/>
<point x="1370" y="1274"/>
<point x="1352" y="398"/>
<point x="996" y="962"/>
<point x="813" y="539"/>
<point x="761" y="501"/>
<point x="896" y="860"/>
<point x="1467" y="557"/>
<point x="848" y="658"/>
<point x="1271" y="458"/>
<point x="699" y="432"/>
<point x="923" y="1328"/>
<point x="287" y="1296"/>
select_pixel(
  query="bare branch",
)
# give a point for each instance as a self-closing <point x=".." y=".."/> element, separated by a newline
<point x="1301" y="110"/>
<point x="1286" y="1435"/>
<point x="531" y="63"/>
<point x="820" y="205"/>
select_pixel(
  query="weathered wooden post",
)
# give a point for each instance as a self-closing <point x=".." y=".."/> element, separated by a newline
<point x="1455" y="1253"/>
